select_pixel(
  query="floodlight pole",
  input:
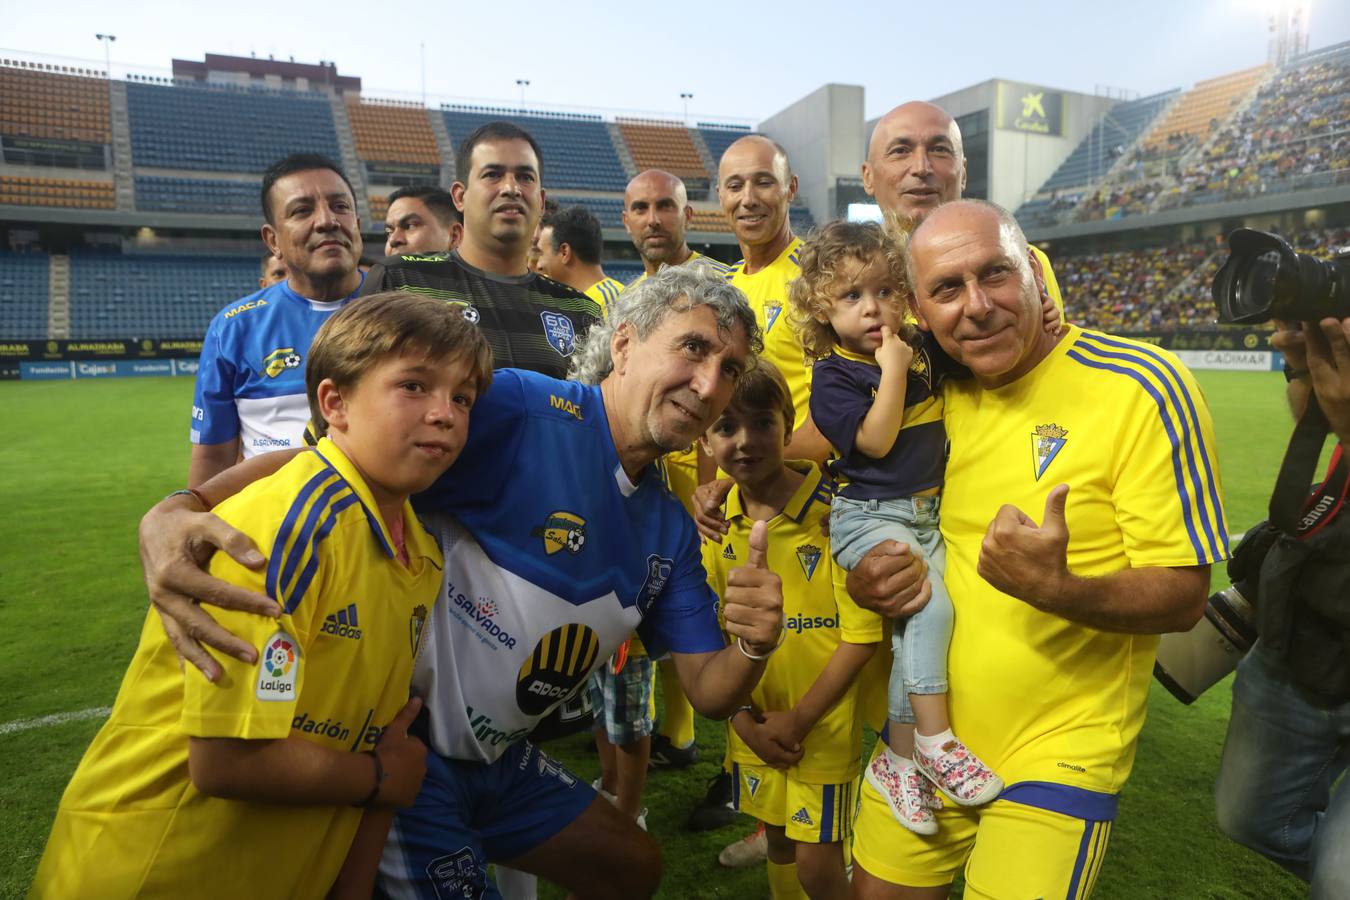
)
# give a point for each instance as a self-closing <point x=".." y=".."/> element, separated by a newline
<point x="686" y="97"/>
<point x="107" y="40"/>
<point x="522" y="83"/>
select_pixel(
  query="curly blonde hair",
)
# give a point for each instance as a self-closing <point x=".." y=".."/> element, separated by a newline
<point x="812" y="295"/>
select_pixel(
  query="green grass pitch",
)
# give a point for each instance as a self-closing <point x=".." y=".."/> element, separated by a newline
<point x="82" y="460"/>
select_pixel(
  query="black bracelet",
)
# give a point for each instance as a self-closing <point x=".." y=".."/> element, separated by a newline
<point x="206" y="507"/>
<point x="1292" y="374"/>
<point x="379" y="780"/>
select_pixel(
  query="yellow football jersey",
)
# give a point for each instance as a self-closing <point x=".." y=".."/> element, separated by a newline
<point x="1124" y="424"/>
<point x="820" y="615"/>
<point x="604" y="292"/>
<point x="713" y="265"/>
<point x="767" y="291"/>
<point x="334" y="669"/>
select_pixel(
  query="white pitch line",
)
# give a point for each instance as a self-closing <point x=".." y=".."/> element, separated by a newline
<point x="97" y="712"/>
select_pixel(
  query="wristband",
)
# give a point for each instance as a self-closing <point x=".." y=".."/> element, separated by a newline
<point x="379" y="780"/>
<point x="206" y="507"/>
<point x="740" y="645"/>
<point x="747" y="708"/>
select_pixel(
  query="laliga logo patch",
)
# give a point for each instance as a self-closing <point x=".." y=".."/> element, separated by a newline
<point x="279" y="361"/>
<point x="771" y="313"/>
<point x="416" y="623"/>
<point x="278" y="667"/>
<point x="658" y="573"/>
<point x="1046" y="442"/>
<point x="559" y="333"/>
<point x="562" y="530"/>
<point x="560" y="663"/>
<point x="809" y="557"/>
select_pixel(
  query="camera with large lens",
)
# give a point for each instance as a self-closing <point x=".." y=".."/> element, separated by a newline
<point x="1191" y="662"/>
<point x="1265" y="278"/>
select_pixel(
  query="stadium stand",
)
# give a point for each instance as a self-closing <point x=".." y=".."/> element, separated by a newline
<point x="121" y="296"/>
<point x="225" y="129"/>
<point x="801" y="219"/>
<point x="1203" y="107"/>
<point x="665" y="145"/>
<point x="1117" y="130"/>
<point x="42" y="104"/>
<point x="1295" y="134"/>
<point x="719" y="137"/>
<point x="25" y="191"/>
<point x="608" y="210"/>
<point x="390" y="132"/>
<point x="205" y="195"/>
<point x="709" y="220"/>
<point x="379" y="205"/>
<point x="578" y="152"/>
<point x="23" y="296"/>
<point x="625" y="272"/>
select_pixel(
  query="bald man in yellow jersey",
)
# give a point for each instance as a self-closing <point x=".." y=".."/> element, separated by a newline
<point x="915" y="163"/>
<point x="1109" y="443"/>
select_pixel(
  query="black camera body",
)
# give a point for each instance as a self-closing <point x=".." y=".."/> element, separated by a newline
<point x="1264" y="278"/>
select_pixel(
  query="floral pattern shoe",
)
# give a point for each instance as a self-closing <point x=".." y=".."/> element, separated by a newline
<point x="959" y="774"/>
<point x="908" y="793"/>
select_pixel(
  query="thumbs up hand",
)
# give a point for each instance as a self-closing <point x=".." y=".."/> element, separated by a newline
<point x="753" y="603"/>
<point x="1025" y="560"/>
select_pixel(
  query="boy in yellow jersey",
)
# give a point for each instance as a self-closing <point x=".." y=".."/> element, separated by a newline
<point x="1056" y="623"/>
<point x="795" y="749"/>
<point x="275" y="761"/>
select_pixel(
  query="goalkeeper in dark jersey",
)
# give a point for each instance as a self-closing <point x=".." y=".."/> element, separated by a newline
<point x="530" y="321"/>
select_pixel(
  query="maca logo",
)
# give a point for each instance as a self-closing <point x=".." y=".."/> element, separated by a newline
<point x="567" y="406"/>
<point x="479" y="613"/>
<point x="245" y="307"/>
<point x="800" y="623"/>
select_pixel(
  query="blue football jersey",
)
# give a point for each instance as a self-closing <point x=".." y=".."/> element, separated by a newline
<point x="251" y="381"/>
<point x="553" y="557"/>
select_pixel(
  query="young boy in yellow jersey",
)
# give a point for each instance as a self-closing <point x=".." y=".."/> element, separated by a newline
<point x="795" y="749"/>
<point x="254" y="786"/>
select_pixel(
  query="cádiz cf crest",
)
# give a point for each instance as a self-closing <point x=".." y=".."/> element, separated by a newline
<point x="809" y="557"/>
<point x="1046" y="442"/>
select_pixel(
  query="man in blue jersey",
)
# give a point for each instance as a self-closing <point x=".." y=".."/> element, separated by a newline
<point x="548" y="569"/>
<point x="250" y="393"/>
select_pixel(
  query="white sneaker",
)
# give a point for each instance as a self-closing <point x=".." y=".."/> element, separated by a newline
<point x="750" y="850"/>
<point x="909" y="795"/>
<point x="604" y="793"/>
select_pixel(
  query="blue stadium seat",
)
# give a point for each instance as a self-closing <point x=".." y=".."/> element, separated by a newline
<point x="578" y="152"/>
<point x="1118" y="128"/>
<point x="608" y="210"/>
<point x="720" y="137"/>
<point x="23" y="296"/>
<point x="225" y="129"/>
<point x="625" y="272"/>
<point x="123" y="296"/>
<point x="801" y="219"/>
<point x="198" y="195"/>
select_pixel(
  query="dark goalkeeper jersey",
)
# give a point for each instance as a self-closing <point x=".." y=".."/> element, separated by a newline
<point x="530" y="321"/>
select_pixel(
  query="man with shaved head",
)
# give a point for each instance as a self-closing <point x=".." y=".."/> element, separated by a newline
<point x="656" y="212"/>
<point x="1109" y="442"/>
<point x="915" y="163"/>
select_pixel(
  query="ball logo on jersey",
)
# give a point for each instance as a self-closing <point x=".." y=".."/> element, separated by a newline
<point x="560" y="663"/>
<point x="1046" y="442"/>
<point x="559" y="333"/>
<point x="562" y="530"/>
<point x="280" y="360"/>
<point x="279" y="667"/>
<point x="658" y="573"/>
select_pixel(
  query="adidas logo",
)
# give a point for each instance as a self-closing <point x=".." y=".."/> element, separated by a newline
<point x="728" y="553"/>
<point x="343" y="623"/>
<point x="802" y="817"/>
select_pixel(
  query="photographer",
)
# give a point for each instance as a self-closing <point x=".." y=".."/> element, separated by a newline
<point x="1288" y="742"/>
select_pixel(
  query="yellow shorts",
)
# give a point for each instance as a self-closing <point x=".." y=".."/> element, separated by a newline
<point x="1008" y="848"/>
<point x="808" y="813"/>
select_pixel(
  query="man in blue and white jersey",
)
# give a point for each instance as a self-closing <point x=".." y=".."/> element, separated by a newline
<point x="560" y="540"/>
<point x="250" y="393"/>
